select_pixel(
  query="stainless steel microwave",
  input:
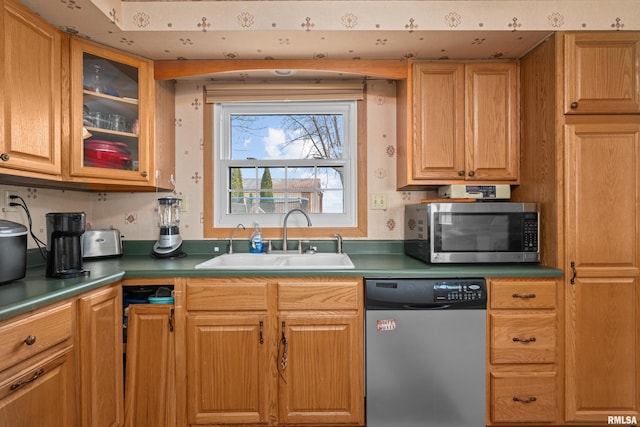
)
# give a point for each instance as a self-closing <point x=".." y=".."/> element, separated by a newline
<point x="473" y="232"/>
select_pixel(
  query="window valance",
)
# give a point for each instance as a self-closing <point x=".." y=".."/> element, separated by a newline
<point x="279" y="91"/>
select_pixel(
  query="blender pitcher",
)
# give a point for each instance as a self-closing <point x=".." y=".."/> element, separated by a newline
<point x="169" y="244"/>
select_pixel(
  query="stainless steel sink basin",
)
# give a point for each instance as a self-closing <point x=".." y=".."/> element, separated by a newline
<point x="278" y="261"/>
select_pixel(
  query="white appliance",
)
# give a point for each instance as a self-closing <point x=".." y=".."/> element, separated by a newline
<point x="475" y="191"/>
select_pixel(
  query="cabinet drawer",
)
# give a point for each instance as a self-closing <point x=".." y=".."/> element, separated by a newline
<point x="42" y="394"/>
<point x="523" y="397"/>
<point x="33" y="334"/>
<point x="226" y="294"/>
<point x="523" y="295"/>
<point x="300" y="295"/>
<point x="523" y="338"/>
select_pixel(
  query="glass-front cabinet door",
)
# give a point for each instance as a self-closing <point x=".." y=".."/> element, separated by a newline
<point x="110" y="115"/>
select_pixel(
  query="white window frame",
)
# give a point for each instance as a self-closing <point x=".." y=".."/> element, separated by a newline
<point x="222" y="162"/>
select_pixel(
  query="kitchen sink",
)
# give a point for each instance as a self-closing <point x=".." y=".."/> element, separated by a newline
<point x="278" y="261"/>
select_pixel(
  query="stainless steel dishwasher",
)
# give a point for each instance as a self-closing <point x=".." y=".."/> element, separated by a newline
<point x="425" y="352"/>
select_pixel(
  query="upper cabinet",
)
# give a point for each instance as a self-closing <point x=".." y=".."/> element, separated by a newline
<point x="601" y="73"/>
<point x="30" y="94"/>
<point x="77" y="114"/>
<point x="458" y="122"/>
<point x="112" y="118"/>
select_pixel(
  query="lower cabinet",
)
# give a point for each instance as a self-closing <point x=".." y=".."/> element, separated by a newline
<point x="227" y="369"/>
<point x="522" y="352"/>
<point x="37" y="371"/>
<point x="273" y="351"/>
<point x="41" y="395"/>
<point x="99" y="342"/>
<point x="320" y="351"/>
<point x="523" y="397"/>
<point x="150" y="372"/>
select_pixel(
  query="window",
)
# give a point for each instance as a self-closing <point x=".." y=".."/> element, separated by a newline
<point x="271" y="157"/>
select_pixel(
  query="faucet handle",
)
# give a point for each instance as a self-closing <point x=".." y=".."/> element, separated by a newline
<point x="338" y="243"/>
<point x="305" y="247"/>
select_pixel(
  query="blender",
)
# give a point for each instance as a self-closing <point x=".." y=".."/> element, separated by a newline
<point x="169" y="245"/>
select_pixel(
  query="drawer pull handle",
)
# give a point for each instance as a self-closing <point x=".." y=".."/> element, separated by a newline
<point x="524" y="340"/>
<point x="30" y="340"/>
<point x="524" y="296"/>
<point x="35" y="376"/>
<point x="529" y="400"/>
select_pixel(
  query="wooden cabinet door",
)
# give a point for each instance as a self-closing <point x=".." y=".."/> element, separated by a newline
<point x="100" y="358"/>
<point x="602" y="73"/>
<point x="465" y="124"/>
<point x="118" y="151"/>
<point x="438" y="151"/>
<point x="320" y="368"/>
<point x="602" y="270"/>
<point x="30" y="94"/>
<point x="227" y="357"/>
<point x="150" y="398"/>
<point x="492" y="132"/>
<point x="42" y="395"/>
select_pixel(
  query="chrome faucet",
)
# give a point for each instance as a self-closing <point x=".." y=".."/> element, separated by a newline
<point x="230" y="251"/>
<point x="284" y="225"/>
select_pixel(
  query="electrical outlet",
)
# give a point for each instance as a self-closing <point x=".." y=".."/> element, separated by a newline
<point x="183" y="203"/>
<point x="378" y="201"/>
<point x="7" y="200"/>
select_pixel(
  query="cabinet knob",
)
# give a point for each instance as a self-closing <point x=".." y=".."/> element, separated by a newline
<point x="574" y="105"/>
<point x="4" y="157"/>
<point x="460" y="173"/>
<point x="30" y="340"/>
<point x="144" y="174"/>
<point x="472" y="173"/>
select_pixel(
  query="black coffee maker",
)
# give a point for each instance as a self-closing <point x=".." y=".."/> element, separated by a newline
<point x="64" y="244"/>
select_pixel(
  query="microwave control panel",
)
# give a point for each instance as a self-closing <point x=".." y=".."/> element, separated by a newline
<point x="530" y="232"/>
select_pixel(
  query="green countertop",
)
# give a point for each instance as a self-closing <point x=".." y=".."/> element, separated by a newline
<point x="35" y="290"/>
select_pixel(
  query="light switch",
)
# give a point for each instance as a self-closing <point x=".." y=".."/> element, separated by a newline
<point x="378" y="201"/>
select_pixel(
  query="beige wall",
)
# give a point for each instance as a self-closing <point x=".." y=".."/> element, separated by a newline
<point x="134" y="213"/>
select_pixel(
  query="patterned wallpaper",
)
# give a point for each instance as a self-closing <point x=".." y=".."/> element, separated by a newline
<point x="313" y="29"/>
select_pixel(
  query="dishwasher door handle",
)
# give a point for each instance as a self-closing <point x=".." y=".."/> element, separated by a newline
<point x="426" y="306"/>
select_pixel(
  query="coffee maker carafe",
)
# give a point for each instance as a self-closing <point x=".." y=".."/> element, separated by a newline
<point x="64" y="244"/>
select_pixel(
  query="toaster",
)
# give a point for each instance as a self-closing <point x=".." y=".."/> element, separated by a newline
<point x="101" y="244"/>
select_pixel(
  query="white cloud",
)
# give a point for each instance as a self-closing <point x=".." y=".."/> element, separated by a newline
<point x="274" y="145"/>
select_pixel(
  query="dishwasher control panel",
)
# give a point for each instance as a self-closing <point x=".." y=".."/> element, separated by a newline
<point x="425" y="293"/>
<point x="458" y="291"/>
